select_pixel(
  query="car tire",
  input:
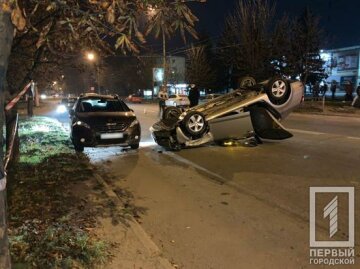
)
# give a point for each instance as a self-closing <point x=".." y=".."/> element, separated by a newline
<point x="78" y="148"/>
<point x="134" y="146"/>
<point x="194" y="124"/>
<point x="278" y="91"/>
<point x="246" y="82"/>
<point x="171" y="113"/>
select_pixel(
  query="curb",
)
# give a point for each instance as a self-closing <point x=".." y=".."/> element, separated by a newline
<point x="136" y="228"/>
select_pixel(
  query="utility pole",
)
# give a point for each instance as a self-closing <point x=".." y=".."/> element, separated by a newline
<point x="165" y="79"/>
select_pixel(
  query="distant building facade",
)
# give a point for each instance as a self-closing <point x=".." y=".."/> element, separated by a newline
<point x="342" y="65"/>
<point x="176" y="74"/>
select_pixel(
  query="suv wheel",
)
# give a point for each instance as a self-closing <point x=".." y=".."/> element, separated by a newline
<point x="171" y="113"/>
<point x="78" y="148"/>
<point x="278" y="91"/>
<point x="194" y="123"/>
<point x="246" y="82"/>
<point x="134" y="146"/>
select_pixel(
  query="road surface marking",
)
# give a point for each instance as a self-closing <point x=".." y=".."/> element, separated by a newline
<point x="230" y="183"/>
<point x="185" y="161"/>
<point x="321" y="133"/>
<point x="149" y="110"/>
<point x="352" y="137"/>
<point x="305" y="132"/>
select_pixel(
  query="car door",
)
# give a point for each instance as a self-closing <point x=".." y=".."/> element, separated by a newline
<point x="234" y="125"/>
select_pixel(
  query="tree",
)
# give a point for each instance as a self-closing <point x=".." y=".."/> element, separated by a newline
<point x="305" y="60"/>
<point x="281" y="47"/>
<point x="166" y="18"/>
<point x="6" y="33"/>
<point x="198" y="68"/>
<point x="246" y="40"/>
<point x="52" y="28"/>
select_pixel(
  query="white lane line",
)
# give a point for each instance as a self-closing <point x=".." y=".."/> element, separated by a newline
<point x="321" y="133"/>
<point x="185" y="161"/>
<point x="352" y="137"/>
<point x="306" y="132"/>
<point x="149" y="110"/>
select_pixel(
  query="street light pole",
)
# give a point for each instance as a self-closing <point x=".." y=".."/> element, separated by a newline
<point x="165" y="79"/>
<point x="93" y="59"/>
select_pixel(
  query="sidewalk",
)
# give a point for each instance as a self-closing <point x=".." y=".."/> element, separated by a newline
<point x="329" y="108"/>
<point x="62" y="213"/>
<point x="135" y="249"/>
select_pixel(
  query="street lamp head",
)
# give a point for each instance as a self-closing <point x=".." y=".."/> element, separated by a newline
<point x="90" y="56"/>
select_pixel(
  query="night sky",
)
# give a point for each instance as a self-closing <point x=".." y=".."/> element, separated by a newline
<point x="339" y="18"/>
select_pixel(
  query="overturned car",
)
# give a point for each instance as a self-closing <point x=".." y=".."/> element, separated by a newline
<point x="253" y="111"/>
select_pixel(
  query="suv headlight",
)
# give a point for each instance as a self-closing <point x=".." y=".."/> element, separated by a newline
<point x="135" y="122"/>
<point x="61" y="109"/>
<point x="81" y="123"/>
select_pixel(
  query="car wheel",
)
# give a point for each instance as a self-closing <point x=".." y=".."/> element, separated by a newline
<point x="78" y="148"/>
<point x="246" y="82"/>
<point x="134" y="146"/>
<point x="171" y="113"/>
<point x="194" y="124"/>
<point x="278" y="91"/>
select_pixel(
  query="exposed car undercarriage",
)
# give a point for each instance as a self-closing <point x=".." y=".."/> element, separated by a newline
<point x="251" y="112"/>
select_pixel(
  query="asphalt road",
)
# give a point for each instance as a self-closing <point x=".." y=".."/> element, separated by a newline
<point x="239" y="207"/>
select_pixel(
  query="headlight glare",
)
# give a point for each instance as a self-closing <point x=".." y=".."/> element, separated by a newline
<point x="135" y="122"/>
<point x="61" y="109"/>
<point x="81" y="123"/>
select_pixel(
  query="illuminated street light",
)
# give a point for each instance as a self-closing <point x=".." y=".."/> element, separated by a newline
<point x="95" y="61"/>
<point x="90" y="56"/>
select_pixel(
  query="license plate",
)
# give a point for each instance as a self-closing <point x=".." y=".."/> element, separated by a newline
<point x="111" y="136"/>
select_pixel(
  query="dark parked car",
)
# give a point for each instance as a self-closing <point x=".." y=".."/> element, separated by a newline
<point x="251" y="112"/>
<point x="103" y="120"/>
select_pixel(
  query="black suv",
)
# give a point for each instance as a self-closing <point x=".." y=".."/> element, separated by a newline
<point x="103" y="120"/>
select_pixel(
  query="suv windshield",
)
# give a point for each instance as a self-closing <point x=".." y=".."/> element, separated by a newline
<point x="102" y="105"/>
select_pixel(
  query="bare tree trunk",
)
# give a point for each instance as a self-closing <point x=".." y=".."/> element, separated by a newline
<point x="37" y="96"/>
<point x="6" y="38"/>
<point x="30" y="106"/>
<point x="10" y="119"/>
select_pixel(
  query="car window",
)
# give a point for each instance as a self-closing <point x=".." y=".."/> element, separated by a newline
<point x="102" y="105"/>
<point x="172" y="96"/>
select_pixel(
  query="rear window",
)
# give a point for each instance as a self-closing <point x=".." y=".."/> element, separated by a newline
<point x="172" y="96"/>
<point x="102" y="105"/>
